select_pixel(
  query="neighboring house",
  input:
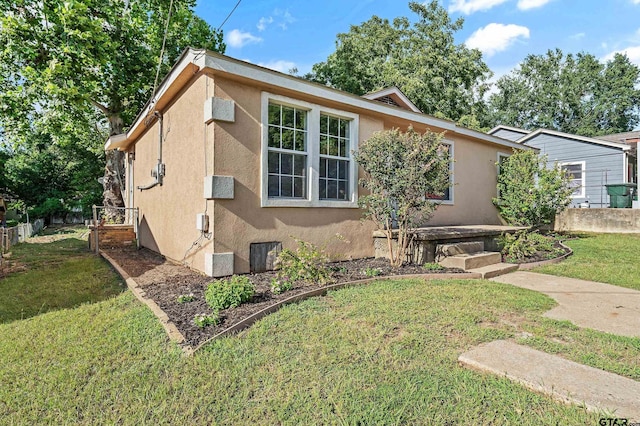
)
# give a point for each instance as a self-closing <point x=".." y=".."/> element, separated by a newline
<point x="242" y="158"/>
<point x="592" y="162"/>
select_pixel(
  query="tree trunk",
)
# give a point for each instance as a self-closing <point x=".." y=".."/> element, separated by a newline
<point x="113" y="199"/>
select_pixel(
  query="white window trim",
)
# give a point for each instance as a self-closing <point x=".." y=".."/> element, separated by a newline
<point x="583" y="180"/>
<point x="313" y="155"/>
<point x="452" y="162"/>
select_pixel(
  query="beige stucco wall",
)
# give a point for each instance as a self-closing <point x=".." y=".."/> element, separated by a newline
<point x="168" y="212"/>
<point x="242" y="221"/>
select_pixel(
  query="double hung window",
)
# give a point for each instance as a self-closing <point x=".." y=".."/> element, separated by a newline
<point x="307" y="154"/>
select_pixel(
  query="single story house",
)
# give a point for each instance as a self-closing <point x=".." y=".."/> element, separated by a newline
<point x="229" y="160"/>
<point x="592" y="162"/>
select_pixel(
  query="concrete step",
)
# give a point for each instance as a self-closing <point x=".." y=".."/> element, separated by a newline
<point x="471" y="261"/>
<point x="494" y="270"/>
<point x="469" y="247"/>
<point x="564" y="380"/>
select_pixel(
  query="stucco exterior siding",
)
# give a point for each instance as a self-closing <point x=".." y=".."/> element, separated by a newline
<point x="242" y="221"/>
<point x="168" y="212"/>
<point x="602" y="164"/>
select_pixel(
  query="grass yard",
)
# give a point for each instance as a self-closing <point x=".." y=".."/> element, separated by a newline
<point x="607" y="258"/>
<point x="58" y="272"/>
<point x="385" y="353"/>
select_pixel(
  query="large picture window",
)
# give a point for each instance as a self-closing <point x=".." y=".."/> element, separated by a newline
<point x="307" y="160"/>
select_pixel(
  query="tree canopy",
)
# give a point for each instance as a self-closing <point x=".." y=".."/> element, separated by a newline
<point x="570" y="93"/>
<point x="68" y="59"/>
<point x="422" y="59"/>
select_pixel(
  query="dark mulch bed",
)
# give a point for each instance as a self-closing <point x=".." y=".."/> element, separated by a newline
<point x="164" y="281"/>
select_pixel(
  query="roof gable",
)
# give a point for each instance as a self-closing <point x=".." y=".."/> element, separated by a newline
<point x="509" y="128"/>
<point x="579" y="138"/>
<point x="392" y="96"/>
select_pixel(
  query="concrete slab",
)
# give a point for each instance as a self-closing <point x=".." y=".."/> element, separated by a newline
<point x="495" y="270"/>
<point x="471" y="261"/>
<point x="564" y="380"/>
<point x="599" y="306"/>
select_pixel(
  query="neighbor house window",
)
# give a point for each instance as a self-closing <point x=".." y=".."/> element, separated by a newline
<point x="577" y="175"/>
<point x="447" y="197"/>
<point x="307" y="154"/>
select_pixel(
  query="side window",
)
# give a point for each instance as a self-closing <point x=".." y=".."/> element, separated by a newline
<point x="447" y="197"/>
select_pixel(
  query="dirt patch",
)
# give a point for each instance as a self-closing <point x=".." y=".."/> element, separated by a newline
<point x="163" y="281"/>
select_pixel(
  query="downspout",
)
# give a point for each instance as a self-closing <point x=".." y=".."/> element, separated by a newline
<point x="158" y="172"/>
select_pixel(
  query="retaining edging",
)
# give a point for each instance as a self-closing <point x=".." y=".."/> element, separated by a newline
<point x="169" y="327"/>
<point x="528" y="266"/>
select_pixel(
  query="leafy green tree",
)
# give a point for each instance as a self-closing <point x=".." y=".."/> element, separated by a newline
<point x="529" y="192"/>
<point x="77" y="57"/>
<point x="422" y="59"/>
<point x="574" y="94"/>
<point x="402" y="169"/>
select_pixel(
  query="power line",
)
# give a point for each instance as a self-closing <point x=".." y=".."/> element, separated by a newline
<point x="229" y="15"/>
<point x="164" y="41"/>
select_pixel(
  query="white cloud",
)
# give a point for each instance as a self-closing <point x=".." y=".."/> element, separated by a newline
<point x="532" y="4"/>
<point x="279" y="65"/>
<point x="578" y="36"/>
<point x="495" y="38"/>
<point x="237" y="38"/>
<point x="263" y="22"/>
<point x="635" y="1"/>
<point x="470" y="6"/>
<point x="284" y="18"/>
<point x="632" y="52"/>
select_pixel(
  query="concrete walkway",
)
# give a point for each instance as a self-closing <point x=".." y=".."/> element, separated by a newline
<point x="589" y="304"/>
<point x="562" y="379"/>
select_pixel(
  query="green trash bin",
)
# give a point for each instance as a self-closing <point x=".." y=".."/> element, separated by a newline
<point x="620" y="195"/>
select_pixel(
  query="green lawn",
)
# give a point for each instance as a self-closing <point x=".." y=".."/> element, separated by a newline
<point x="607" y="258"/>
<point x="60" y="273"/>
<point x="384" y="353"/>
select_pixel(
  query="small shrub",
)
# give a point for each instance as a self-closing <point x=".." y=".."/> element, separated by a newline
<point x="432" y="266"/>
<point x="371" y="272"/>
<point x="185" y="298"/>
<point x="307" y="263"/>
<point x="523" y="244"/>
<point x="204" y="320"/>
<point x="279" y="286"/>
<point x="229" y="293"/>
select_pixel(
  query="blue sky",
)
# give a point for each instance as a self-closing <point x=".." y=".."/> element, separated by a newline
<point x="283" y="34"/>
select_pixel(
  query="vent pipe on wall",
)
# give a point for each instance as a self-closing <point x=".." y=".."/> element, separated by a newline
<point x="158" y="172"/>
